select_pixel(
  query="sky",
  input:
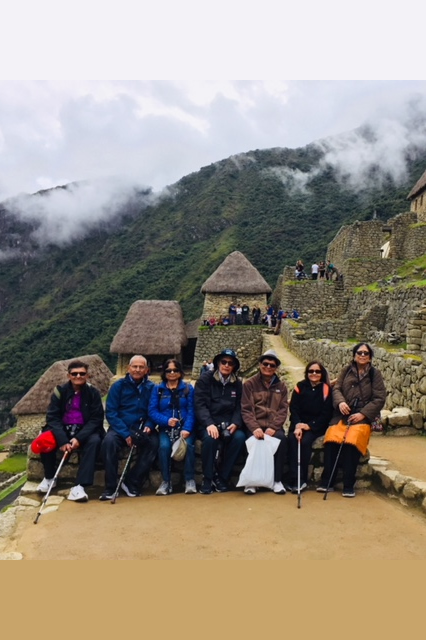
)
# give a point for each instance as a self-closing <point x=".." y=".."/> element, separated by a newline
<point x="63" y="119"/>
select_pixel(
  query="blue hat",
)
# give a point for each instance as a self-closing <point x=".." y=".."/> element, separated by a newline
<point x="226" y="352"/>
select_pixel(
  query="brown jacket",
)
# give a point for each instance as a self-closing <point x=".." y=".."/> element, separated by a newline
<point x="263" y="406"/>
<point x="370" y="392"/>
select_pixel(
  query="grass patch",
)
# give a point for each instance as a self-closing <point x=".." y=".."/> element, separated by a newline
<point x="16" y="485"/>
<point x="14" y="464"/>
<point x="7" y="433"/>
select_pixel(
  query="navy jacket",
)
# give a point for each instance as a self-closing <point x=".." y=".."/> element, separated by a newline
<point x="127" y="405"/>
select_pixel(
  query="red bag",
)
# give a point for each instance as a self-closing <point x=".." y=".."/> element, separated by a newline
<point x="44" y="443"/>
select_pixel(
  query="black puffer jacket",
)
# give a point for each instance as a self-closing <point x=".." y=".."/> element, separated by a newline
<point x="216" y="402"/>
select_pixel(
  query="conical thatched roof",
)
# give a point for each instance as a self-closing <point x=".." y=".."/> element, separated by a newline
<point x="236" y="274"/>
<point x="37" y="399"/>
<point x="151" y="327"/>
<point x="419" y="186"/>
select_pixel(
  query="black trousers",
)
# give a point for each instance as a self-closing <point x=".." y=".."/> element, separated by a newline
<point x="306" y="443"/>
<point x="145" y="456"/>
<point x="348" y="460"/>
<point x="229" y="452"/>
<point x="87" y="454"/>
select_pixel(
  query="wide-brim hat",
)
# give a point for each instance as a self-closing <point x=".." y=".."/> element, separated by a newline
<point x="270" y="355"/>
<point x="44" y="443"/>
<point x="179" y="449"/>
<point x="226" y="352"/>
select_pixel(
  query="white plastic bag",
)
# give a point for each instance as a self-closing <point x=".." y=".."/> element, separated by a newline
<point x="258" y="470"/>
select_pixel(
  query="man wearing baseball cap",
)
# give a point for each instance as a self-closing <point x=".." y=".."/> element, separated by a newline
<point x="264" y="408"/>
<point x="217" y="400"/>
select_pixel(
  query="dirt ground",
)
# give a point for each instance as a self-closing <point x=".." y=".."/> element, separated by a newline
<point x="234" y="525"/>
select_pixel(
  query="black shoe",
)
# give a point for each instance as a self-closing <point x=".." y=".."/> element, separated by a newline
<point x="206" y="487"/>
<point x="220" y="485"/>
<point x="107" y="495"/>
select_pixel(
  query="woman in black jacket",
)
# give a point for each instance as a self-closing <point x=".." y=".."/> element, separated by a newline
<point x="310" y="413"/>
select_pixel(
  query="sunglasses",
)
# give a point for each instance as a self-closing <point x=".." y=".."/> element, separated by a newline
<point x="312" y="371"/>
<point x="227" y="363"/>
<point x="363" y="353"/>
<point x="74" y="374"/>
<point x="172" y="371"/>
<point x="270" y="365"/>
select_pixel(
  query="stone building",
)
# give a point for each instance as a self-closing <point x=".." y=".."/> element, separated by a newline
<point x="152" y="328"/>
<point x="235" y="280"/>
<point x="417" y="197"/>
<point x="31" y="408"/>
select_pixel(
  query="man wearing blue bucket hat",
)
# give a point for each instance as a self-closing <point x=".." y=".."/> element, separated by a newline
<point x="217" y="400"/>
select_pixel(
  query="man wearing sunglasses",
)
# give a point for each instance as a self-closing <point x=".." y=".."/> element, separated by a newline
<point x="75" y="416"/>
<point x="217" y="400"/>
<point x="264" y="409"/>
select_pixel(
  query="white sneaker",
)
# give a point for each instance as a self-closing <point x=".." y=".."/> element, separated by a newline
<point x="45" y="484"/>
<point x="164" y="489"/>
<point x="250" y="491"/>
<point x="190" y="486"/>
<point x="278" y="488"/>
<point x="78" y="494"/>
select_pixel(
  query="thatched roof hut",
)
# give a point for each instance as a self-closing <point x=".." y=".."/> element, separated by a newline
<point x="236" y="274"/>
<point x="191" y="328"/>
<point x="151" y="327"/>
<point x="37" y="399"/>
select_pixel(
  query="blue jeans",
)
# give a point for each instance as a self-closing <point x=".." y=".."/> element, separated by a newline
<point x="164" y="458"/>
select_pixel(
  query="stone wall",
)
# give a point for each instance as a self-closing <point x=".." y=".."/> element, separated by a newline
<point x="218" y="304"/>
<point x="360" y="272"/>
<point x="245" y="340"/>
<point x="359" y="240"/>
<point x="316" y="299"/>
<point x="404" y="374"/>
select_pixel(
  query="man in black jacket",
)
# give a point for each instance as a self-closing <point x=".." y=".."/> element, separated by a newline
<point x="75" y="416"/>
<point x="217" y="400"/>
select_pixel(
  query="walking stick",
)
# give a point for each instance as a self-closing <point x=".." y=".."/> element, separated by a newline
<point x="337" y="460"/>
<point x="298" y="474"/>
<point x="129" y="457"/>
<point x="51" y="487"/>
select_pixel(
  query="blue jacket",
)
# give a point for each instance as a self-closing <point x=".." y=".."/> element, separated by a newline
<point x="127" y="404"/>
<point x="161" y="406"/>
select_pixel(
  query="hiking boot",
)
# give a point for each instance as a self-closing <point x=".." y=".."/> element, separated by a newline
<point x="190" y="486"/>
<point x="164" y="489"/>
<point x="78" y="494"/>
<point x="279" y="488"/>
<point x="206" y="487"/>
<point x="107" y="495"/>
<point x="250" y="491"/>
<point x="220" y="485"/>
<point x="45" y="484"/>
<point x="129" y="490"/>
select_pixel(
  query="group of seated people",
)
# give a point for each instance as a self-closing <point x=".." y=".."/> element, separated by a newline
<point x="148" y="419"/>
<point x="271" y="317"/>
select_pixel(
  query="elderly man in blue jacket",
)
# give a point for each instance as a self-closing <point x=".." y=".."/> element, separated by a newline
<point x="126" y="408"/>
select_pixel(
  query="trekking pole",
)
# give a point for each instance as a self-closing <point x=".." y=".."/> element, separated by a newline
<point x="337" y="460"/>
<point x="298" y="474"/>
<point x="52" y="484"/>
<point x="129" y="457"/>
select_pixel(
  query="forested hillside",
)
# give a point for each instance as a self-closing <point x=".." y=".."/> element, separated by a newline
<point x="57" y="302"/>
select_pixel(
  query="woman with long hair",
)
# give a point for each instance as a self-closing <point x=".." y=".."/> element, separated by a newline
<point x="359" y="394"/>
<point x="310" y="413"/>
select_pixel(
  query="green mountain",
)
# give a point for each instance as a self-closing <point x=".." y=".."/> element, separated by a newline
<point x="60" y="301"/>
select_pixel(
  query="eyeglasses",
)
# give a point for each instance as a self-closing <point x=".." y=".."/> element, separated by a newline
<point x="363" y="353"/>
<point x="172" y="371"/>
<point x="312" y="371"/>
<point x="270" y="365"/>
<point x="227" y="363"/>
<point x="74" y="374"/>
